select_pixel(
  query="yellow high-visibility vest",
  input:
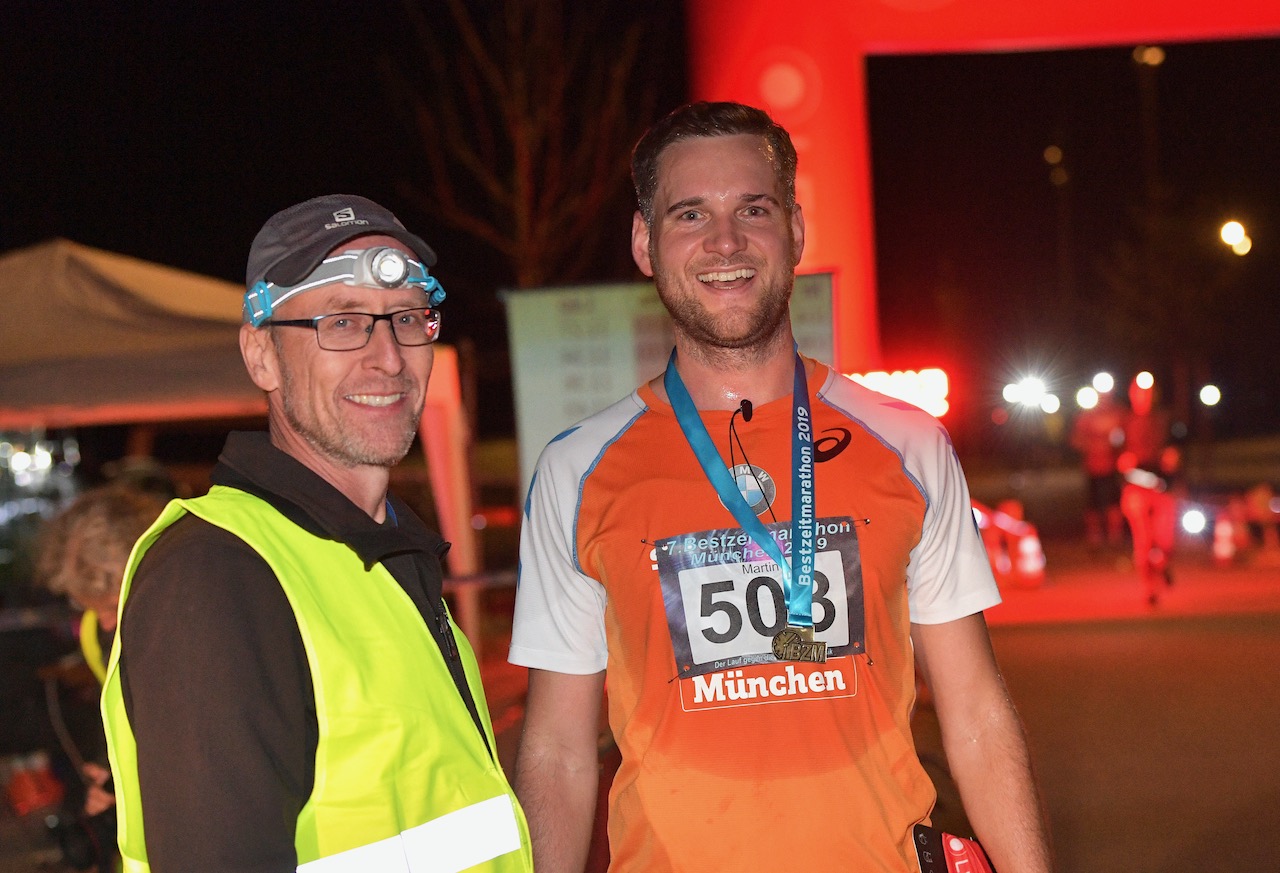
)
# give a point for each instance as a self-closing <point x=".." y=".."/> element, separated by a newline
<point x="403" y="780"/>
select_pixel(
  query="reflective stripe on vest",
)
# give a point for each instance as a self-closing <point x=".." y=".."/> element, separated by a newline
<point x="91" y="647"/>
<point x="451" y="843"/>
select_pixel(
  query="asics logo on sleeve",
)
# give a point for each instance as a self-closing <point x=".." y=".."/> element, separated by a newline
<point x="827" y="447"/>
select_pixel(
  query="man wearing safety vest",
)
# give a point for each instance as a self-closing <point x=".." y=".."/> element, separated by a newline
<point x="287" y="689"/>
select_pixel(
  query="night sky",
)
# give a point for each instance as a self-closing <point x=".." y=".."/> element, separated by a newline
<point x="170" y="132"/>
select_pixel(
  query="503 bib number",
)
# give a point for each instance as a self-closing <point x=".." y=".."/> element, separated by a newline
<point x="725" y="602"/>
<point x="717" y="599"/>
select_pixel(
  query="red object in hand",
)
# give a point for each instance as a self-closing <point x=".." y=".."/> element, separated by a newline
<point x="940" y="852"/>
<point x="964" y="856"/>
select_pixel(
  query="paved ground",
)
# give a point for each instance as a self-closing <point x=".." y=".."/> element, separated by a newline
<point x="1153" y="730"/>
<point x="1154" y="740"/>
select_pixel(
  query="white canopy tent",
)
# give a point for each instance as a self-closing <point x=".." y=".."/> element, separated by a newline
<point x="91" y="337"/>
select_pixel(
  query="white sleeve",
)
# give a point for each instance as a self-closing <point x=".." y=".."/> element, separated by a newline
<point x="949" y="575"/>
<point x="559" y="613"/>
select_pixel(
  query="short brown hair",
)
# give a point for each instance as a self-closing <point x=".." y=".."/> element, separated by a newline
<point x="84" y="549"/>
<point x="710" y="119"/>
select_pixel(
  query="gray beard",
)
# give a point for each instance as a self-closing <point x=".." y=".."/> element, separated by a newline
<point x="341" y="448"/>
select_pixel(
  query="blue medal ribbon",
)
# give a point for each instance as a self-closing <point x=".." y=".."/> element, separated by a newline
<point x="797" y="574"/>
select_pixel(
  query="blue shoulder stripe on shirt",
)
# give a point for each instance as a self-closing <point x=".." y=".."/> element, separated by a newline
<point x="582" y="483"/>
<point x="555" y="439"/>
<point x="563" y="434"/>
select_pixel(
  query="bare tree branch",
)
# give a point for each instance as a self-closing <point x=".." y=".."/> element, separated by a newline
<point x="527" y="112"/>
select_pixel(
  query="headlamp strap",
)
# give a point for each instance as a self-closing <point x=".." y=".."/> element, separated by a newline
<point x="260" y="300"/>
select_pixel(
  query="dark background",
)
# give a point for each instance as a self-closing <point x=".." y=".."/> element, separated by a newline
<point x="170" y="133"/>
<point x="972" y="234"/>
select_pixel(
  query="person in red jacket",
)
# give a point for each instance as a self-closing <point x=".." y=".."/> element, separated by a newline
<point x="1148" y="464"/>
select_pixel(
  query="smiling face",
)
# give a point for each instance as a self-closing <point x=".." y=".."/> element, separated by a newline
<point x="339" y="412"/>
<point x="722" y="247"/>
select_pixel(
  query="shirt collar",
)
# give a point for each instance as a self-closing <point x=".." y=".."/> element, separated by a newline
<point x="250" y="463"/>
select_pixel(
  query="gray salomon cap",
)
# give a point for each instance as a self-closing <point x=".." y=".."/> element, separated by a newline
<point x="294" y="241"/>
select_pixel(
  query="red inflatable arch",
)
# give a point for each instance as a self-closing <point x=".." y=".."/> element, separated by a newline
<point x="805" y="61"/>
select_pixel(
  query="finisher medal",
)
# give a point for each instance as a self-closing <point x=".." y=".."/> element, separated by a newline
<point x="797" y="644"/>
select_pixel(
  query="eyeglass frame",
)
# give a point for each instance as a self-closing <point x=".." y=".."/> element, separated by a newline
<point x="314" y="323"/>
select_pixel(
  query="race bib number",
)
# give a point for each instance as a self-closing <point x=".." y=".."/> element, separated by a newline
<point x="724" y="599"/>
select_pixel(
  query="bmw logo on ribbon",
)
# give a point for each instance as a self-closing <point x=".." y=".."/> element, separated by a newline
<point x="757" y="487"/>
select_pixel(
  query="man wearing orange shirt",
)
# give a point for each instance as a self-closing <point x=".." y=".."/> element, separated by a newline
<point x="759" y="624"/>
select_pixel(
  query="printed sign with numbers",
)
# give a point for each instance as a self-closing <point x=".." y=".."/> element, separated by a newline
<point x="724" y="598"/>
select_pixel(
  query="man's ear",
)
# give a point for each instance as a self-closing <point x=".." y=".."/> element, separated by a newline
<point x="260" y="357"/>
<point x="797" y="233"/>
<point x="640" y="244"/>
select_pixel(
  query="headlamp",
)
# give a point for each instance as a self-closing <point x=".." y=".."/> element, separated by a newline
<point x="382" y="267"/>
<point x="386" y="267"/>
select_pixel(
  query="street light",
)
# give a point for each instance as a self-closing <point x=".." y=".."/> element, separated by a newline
<point x="1234" y="235"/>
<point x="1028" y="391"/>
<point x="1148" y="55"/>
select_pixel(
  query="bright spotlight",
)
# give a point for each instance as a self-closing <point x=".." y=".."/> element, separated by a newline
<point x="1144" y="380"/>
<point x="1031" y="391"/>
<point x="1194" y="521"/>
<point x="1210" y="395"/>
<point x="1103" y="382"/>
<point x="1087" y="398"/>
<point x="925" y="388"/>
<point x="1243" y="247"/>
<point x="1050" y="404"/>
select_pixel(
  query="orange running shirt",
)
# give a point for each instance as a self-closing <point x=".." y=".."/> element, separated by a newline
<point x="732" y="760"/>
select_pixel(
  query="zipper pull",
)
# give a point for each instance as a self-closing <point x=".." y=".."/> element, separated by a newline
<point x="446" y="633"/>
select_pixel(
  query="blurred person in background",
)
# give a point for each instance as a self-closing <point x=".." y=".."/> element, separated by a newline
<point x="1097" y="435"/>
<point x="1149" y="466"/>
<point x="82" y="555"/>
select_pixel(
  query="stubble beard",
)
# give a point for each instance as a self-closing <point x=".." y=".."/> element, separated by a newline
<point x="746" y="332"/>
<point x="343" y="448"/>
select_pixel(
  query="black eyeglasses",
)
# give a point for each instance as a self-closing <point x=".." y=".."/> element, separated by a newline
<point x="348" y="331"/>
